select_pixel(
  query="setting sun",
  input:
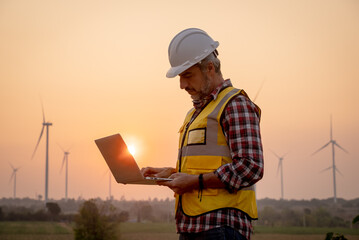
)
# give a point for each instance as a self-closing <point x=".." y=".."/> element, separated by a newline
<point x="132" y="150"/>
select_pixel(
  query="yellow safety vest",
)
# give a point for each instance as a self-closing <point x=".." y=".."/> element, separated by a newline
<point x="202" y="149"/>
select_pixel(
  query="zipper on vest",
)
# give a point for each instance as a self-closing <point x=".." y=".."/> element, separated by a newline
<point x="185" y="133"/>
<point x="183" y="138"/>
<point x="187" y="126"/>
<point x="180" y="162"/>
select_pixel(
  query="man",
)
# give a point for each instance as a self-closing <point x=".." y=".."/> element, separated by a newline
<point x="220" y="153"/>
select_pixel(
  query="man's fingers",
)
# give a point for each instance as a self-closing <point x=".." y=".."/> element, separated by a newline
<point x="163" y="174"/>
<point x="147" y="171"/>
<point x="144" y="170"/>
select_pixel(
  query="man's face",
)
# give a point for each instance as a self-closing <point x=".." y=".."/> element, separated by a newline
<point x="196" y="83"/>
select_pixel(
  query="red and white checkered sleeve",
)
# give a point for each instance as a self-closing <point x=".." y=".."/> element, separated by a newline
<point x="240" y="123"/>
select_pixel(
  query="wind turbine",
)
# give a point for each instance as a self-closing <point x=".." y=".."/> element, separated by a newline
<point x="280" y="167"/>
<point x="13" y="175"/>
<point x="333" y="143"/>
<point x="65" y="161"/>
<point x="259" y="90"/>
<point x="109" y="183"/>
<point x="47" y="125"/>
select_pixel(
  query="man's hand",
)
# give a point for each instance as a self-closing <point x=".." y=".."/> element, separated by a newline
<point x="181" y="183"/>
<point x="157" y="172"/>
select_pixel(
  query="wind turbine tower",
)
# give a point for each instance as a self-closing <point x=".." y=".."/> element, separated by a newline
<point x="109" y="185"/>
<point x="65" y="161"/>
<point x="280" y="167"/>
<point x="333" y="167"/>
<point x="47" y="125"/>
<point x="13" y="175"/>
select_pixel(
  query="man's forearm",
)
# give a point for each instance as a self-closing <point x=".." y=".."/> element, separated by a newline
<point x="210" y="180"/>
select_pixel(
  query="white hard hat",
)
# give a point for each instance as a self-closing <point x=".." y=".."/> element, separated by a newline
<point x="188" y="48"/>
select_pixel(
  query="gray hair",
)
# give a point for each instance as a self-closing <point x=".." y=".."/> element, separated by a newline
<point x="211" y="58"/>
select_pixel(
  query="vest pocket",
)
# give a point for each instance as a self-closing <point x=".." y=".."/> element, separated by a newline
<point x="197" y="136"/>
<point x="203" y="163"/>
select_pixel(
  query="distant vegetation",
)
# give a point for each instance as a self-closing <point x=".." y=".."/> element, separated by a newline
<point x="308" y="213"/>
<point x="27" y="209"/>
<point x="272" y="213"/>
<point x="91" y="223"/>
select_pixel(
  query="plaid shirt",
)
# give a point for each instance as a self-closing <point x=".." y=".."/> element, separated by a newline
<point x="240" y="123"/>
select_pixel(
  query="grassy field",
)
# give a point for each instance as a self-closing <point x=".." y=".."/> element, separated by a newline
<point x="154" y="231"/>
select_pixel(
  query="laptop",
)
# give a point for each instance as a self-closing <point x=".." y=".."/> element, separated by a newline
<point x="121" y="162"/>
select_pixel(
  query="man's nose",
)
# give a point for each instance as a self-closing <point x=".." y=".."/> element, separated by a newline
<point x="183" y="83"/>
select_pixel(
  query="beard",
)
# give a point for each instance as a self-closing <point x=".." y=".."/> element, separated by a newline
<point x="204" y="91"/>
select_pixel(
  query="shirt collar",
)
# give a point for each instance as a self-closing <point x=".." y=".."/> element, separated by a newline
<point x="198" y="104"/>
<point x="226" y="83"/>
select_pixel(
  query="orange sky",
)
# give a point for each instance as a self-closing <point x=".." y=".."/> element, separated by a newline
<point x="99" y="68"/>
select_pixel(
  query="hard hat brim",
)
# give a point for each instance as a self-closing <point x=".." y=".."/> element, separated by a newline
<point x="174" y="71"/>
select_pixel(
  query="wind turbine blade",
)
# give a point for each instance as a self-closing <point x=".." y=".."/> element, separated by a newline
<point x="61" y="147"/>
<point x="63" y="161"/>
<point x="13" y="168"/>
<point x="341" y="147"/>
<point x="326" y="169"/>
<point x="321" y="148"/>
<point x="65" y="151"/>
<point x="68" y="150"/>
<point x="105" y="173"/>
<point x="336" y="169"/>
<point x="43" y="112"/>
<point x="284" y="155"/>
<point x="259" y="90"/>
<point x="12" y="176"/>
<point x="275" y="154"/>
<point x="38" y="141"/>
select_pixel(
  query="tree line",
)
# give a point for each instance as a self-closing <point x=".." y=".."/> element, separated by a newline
<point x="305" y="213"/>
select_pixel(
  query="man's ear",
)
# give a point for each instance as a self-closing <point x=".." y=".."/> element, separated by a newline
<point x="210" y="68"/>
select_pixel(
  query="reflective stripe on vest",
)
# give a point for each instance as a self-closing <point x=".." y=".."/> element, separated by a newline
<point x="203" y="149"/>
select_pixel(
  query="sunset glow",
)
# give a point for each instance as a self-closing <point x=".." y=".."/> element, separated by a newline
<point x="132" y="150"/>
<point x="99" y="68"/>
